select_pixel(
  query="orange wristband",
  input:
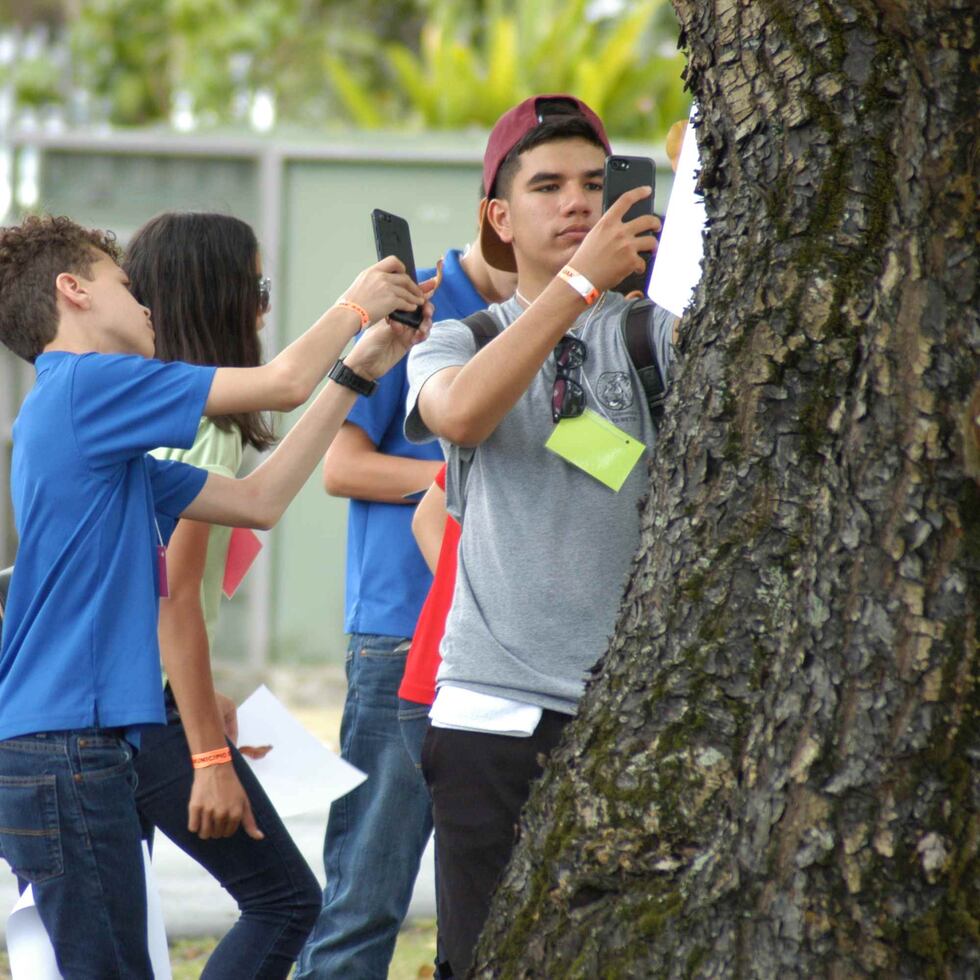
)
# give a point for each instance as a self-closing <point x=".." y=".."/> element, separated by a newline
<point x="580" y="284"/>
<point x="346" y="304"/>
<point x="214" y="758"/>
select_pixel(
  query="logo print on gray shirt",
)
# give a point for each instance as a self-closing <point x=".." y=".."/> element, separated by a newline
<point x="615" y="390"/>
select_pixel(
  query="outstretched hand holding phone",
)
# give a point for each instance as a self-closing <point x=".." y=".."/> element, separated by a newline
<point x="615" y="247"/>
<point x="392" y="237"/>
<point x="623" y="173"/>
<point x="384" y="344"/>
<point x="387" y="288"/>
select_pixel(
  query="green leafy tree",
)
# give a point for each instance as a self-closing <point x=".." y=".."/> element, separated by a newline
<point x="471" y="65"/>
<point x="137" y="54"/>
<point x="120" y="53"/>
<point x="34" y="79"/>
<point x="416" y="63"/>
<point x="31" y="66"/>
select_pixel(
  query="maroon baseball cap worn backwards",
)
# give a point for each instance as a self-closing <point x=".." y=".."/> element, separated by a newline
<point x="508" y="131"/>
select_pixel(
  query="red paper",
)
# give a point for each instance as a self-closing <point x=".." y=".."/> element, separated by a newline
<point x="243" y="549"/>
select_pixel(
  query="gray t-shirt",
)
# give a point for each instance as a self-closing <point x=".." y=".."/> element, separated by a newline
<point x="545" y="547"/>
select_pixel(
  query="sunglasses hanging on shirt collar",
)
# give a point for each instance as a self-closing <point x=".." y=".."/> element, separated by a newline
<point x="568" y="396"/>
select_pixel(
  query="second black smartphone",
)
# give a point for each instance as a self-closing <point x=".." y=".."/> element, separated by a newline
<point x="623" y="174"/>
<point x="392" y="237"/>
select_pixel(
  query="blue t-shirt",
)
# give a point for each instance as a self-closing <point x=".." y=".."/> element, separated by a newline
<point x="387" y="578"/>
<point x="80" y="630"/>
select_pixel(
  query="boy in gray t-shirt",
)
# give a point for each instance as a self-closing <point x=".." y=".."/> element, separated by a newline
<point x="545" y="546"/>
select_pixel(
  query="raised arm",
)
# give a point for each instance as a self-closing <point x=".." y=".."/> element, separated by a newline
<point x="465" y="404"/>
<point x="259" y="499"/>
<point x="291" y="376"/>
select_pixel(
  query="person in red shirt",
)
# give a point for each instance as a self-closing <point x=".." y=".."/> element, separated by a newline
<point x="437" y="535"/>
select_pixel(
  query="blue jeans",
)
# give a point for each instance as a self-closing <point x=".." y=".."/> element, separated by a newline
<point x="413" y="719"/>
<point x="375" y="834"/>
<point x="68" y="825"/>
<point x="277" y="893"/>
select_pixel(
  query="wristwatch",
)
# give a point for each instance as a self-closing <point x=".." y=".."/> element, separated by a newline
<point x="343" y="375"/>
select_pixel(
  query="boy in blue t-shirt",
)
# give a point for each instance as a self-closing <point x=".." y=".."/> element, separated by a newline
<point x="79" y="661"/>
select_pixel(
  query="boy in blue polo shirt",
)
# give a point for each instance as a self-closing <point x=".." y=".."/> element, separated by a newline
<point x="79" y="662"/>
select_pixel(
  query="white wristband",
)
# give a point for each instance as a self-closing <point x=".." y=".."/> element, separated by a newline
<point x="580" y="284"/>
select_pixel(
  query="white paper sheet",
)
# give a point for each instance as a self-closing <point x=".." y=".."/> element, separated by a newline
<point x="677" y="265"/>
<point x="300" y="773"/>
<point x="32" y="955"/>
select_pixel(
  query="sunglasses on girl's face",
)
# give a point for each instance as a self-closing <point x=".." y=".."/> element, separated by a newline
<point x="265" y="293"/>
<point x="567" y="396"/>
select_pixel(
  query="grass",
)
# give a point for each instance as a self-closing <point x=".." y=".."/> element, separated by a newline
<point x="414" y="953"/>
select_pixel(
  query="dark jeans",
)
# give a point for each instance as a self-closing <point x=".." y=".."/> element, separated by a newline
<point x="277" y="893"/>
<point x="375" y="834"/>
<point x="479" y="783"/>
<point x="68" y="825"/>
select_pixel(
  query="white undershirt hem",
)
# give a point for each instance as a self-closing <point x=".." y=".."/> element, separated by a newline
<point x="470" y="711"/>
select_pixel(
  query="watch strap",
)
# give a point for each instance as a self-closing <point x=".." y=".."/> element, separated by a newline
<point x="343" y="375"/>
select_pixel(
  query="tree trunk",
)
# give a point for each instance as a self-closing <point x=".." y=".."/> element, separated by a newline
<point x="776" y="770"/>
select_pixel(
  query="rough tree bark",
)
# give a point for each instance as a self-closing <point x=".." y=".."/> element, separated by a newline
<point x="776" y="770"/>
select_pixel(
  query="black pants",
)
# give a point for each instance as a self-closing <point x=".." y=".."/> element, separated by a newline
<point x="479" y="783"/>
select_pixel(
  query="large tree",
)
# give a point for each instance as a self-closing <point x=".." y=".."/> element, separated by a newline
<point x="776" y="769"/>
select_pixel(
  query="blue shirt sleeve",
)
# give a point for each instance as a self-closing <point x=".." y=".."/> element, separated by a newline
<point x="125" y="405"/>
<point x="174" y="486"/>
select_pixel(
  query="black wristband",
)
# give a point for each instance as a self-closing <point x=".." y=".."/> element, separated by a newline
<point x="343" y="375"/>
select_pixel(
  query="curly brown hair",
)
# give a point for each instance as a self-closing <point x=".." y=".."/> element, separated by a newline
<point x="32" y="256"/>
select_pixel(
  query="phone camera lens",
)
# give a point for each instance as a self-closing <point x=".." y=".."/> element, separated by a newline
<point x="620" y="165"/>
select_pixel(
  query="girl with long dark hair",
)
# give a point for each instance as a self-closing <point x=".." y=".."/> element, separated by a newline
<point x="201" y="275"/>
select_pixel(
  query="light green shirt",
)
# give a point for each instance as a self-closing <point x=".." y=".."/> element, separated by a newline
<point x="217" y="452"/>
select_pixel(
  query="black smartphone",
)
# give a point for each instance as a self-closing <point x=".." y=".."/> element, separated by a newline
<point x="392" y="237"/>
<point x="623" y="174"/>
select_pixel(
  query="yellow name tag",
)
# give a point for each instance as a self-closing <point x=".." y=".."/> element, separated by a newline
<point x="598" y="447"/>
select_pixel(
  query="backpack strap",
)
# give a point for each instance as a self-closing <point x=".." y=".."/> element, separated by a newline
<point x="637" y="326"/>
<point x="483" y="326"/>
